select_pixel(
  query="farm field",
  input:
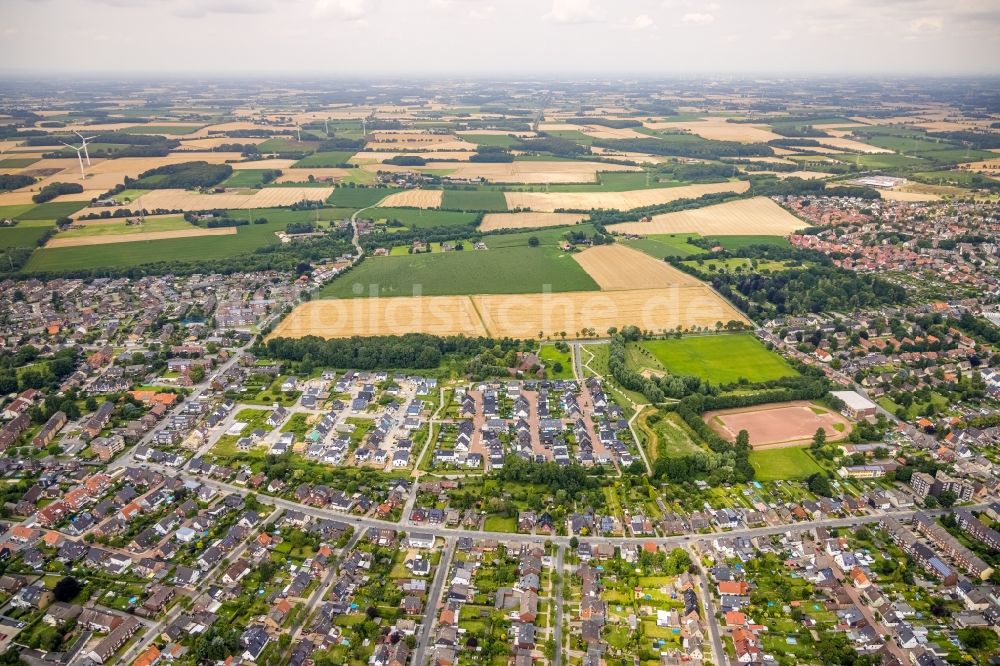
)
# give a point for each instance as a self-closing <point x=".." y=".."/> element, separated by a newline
<point x="23" y="234"/>
<point x="319" y="174"/>
<point x="422" y="218"/>
<point x="413" y="199"/>
<point x="495" y="221"/>
<point x="124" y="255"/>
<point x="359" y="197"/>
<point x="666" y="245"/>
<point x="504" y="314"/>
<point x="436" y="315"/>
<point x="778" y="425"/>
<point x="790" y="462"/>
<point x="474" y="200"/>
<point x="627" y="200"/>
<point x="616" y="267"/>
<point x="720" y="359"/>
<point x="533" y="171"/>
<point x="324" y="160"/>
<point x="495" y="271"/>
<point x="192" y="201"/>
<point x="758" y="216"/>
<point x="719" y="129"/>
<point x="245" y="178"/>
<point x="107" y="239"/>
<point x="87" y="228"/>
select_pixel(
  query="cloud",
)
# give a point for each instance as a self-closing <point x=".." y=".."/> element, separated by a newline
<point x="573" y="11"/>
<point x="355" y="11"/>
<point x="698" y="18"/>
<point x="482" y="13"/>
<point x="195" y="8"/>
<point x="926" y="25"/>
<point x="641" y="22"/>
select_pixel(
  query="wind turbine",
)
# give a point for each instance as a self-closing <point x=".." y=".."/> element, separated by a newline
<point x="364" y="127"/>
<point x="79" y="156"/>
<point x="298" y="133"/>
<point x="85" y="139"/>
<point x="326" y="121"/>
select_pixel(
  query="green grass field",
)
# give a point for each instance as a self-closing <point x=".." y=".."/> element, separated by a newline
<point x="321" y="160"/>
<point x="206" y="248"/>
<point x="883" y="161"/>
<point x="17" y="162"/>
<point x="518" y="270"/>
<point x="245" y="178"/>
<point x="498" y="140"/>
<point x="102" y="228"/>
<point x="739" y="242"/>
<point x="474" y="200"/>
<point x="161" y="129"/>
<point x="282" y="145"/>
<point x="721" y="359"/>
<point x="733" y="264"/>
<point x="420" y="218"/>
<point x="550" y="356"/>
<point x="15" y="212"/>
<point x="359" y="197"/>
<point x="53" y="210"/>
<point x="792" y="462"/>
<point x="22" y="235"/>
<point x="667" y="245"/>
<point x="667" y="437"/>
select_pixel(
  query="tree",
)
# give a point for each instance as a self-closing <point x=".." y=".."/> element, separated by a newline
<point x="743" y="438"/>
<point x="819" y="438"/>
<point x="67" y="589"/>
<point x="947" y="498"/>
<point x="574" y="543"/>
<point x="533" y="241"/>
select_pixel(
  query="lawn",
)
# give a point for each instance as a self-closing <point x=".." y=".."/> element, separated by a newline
<point x="792" y="462"/>
<point x="360" y="197"/>
<point x="475" y="200"/>
<point x="420" y="218"/>
<point x="721" y="359"/>
<point x="662" y="246"/>
<point x="324" y="160"/>
<point x="500" y="524"/>
<point x="518" y="270"/>
<point x="550" y="356"/>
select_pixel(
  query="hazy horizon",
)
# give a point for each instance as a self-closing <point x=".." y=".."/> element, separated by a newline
<point x="515" y="38"/>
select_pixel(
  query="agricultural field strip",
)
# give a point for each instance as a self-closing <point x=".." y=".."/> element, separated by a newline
<point x="756" y="216"/>
<point x="553" y="201"/>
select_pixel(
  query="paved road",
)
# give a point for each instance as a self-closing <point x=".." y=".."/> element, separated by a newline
<point x="447" y="533"/>
<point x="433" y="598"/>
<point x="558" y="596"/>
<point x="718" y="651"/>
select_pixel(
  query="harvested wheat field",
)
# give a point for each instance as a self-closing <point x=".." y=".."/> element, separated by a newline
<point x="902" y="195"/>
<point x="523" y="316"/>
<point x="717" y="129"/>
<point x="342" y="318"/>
<point x="409" y="141"/>
<point x="268" y="197"/>
<point x="18" y="198"/>
<point x="210" y="143"/>
<point x="376" y="157"/>
<point x="323" y="174"/>
<point x="530" y="171"/>
<point x="804" y="175"/>
<point x="641" y="158"/>
<point x="263" y="164"/>
<point x="413" y="199"/>
<point x="618" y="268"/>
<point x="848" y="144"/>
<point x="107" y="239"/>
<point x="552" y="201"/>
<point x="494" y="221"/>
<point x="602" y="132"/>
<point x="758" y="216"/>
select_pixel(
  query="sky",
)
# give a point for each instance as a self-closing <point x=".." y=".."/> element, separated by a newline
<point x="346" y="38"/>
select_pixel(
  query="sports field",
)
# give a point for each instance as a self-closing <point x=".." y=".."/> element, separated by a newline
<point x="720" y="359"/>
<point x="778" y="425"/>
<point x="791" y="462"/>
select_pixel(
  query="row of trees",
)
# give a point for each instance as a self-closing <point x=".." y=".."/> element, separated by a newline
<point x="185" y="175"/>
<point x="53" y="190"/>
